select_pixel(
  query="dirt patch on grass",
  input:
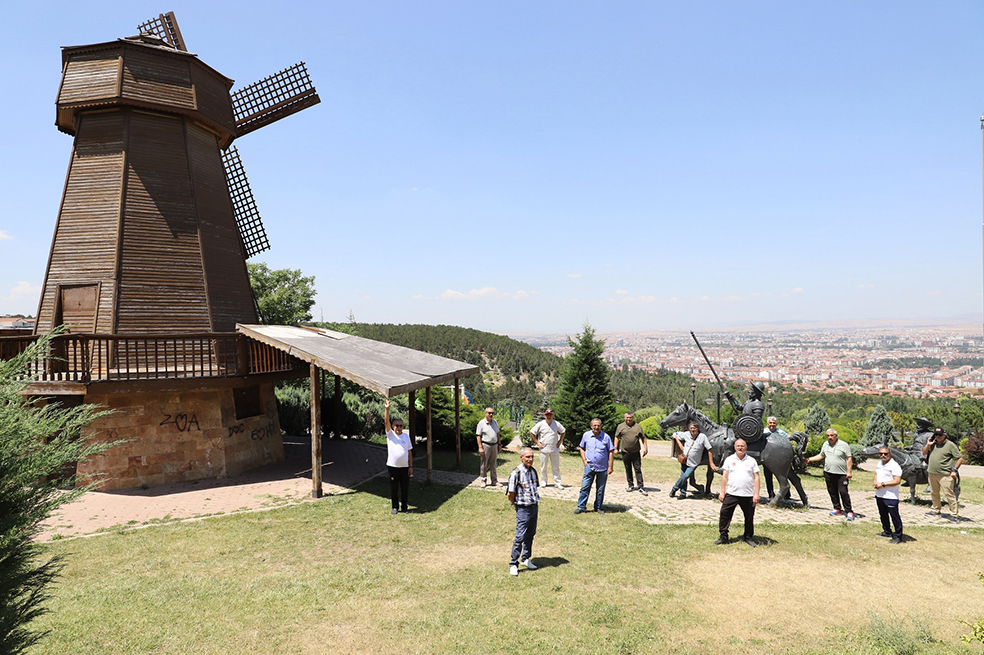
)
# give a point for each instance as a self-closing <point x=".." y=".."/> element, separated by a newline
<point x="799" y="595"/>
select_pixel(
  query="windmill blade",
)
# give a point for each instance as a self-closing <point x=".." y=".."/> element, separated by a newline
<point x="273" y="98"/>
<point x="166" y="27"/>
<point x="244" y="206"/>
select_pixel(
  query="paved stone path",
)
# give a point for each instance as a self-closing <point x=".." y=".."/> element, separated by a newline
<point x="349" y="463"/>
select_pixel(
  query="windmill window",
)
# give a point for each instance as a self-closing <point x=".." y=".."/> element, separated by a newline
<point x="247" y="401"/>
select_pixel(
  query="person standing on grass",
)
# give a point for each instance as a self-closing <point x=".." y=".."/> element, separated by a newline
<point x="944" y="461"/>
<point x="692" y="447"/>
<point x="631" y="442"/>
<point x="739" y="488"/>
<point x="598" y="454"/>
<point x="838" y="468"/>
<point x="489" y="445"/>
<point x="399" y="460"/>
<point x="523" y="491"/>
<point x="548" y="435"/>
<point x="888" y="477"/>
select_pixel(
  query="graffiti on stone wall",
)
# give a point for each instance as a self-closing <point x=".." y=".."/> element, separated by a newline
<point x="183" y="422"/>
<point x="259" y="434"/>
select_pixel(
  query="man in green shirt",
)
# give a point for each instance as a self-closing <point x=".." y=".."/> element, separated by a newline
<point x="838" y="468"/>
<point x="944" y="460"/>
<point x="630" y="440"/>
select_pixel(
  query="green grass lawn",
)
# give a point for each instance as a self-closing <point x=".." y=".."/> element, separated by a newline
<point x="342" y="575"/>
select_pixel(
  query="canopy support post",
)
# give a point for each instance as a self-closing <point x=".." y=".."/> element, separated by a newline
<point x="316" y="490"/>
<point x="430" y="448"/>
<point x="457" y="420"/>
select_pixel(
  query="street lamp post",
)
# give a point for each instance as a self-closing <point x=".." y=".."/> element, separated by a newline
<point x="956" y="412"/>
<point x="693" y="394"/>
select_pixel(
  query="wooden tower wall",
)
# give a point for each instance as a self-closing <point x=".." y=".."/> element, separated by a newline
<point x="146" y="236"/>
<point x="170" y="227"/>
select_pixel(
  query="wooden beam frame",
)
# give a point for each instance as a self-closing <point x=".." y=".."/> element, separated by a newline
<point x="457" y="420"/>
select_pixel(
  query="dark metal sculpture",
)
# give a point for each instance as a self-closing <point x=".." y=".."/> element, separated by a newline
<point x="911" y="460"/>
<point x="776" y="451"/>
<point x="748" y="423"/>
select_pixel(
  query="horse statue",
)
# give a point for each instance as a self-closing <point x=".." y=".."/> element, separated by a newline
<point x="913" y="466"/>
<point x="775" y="451"/>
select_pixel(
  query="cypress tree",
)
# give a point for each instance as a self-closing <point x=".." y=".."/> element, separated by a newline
<point x="37" y="443"/>
<point x="584" y="393"/>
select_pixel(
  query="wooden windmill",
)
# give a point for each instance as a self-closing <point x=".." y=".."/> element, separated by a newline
<point x="157" y="218"/>
<point x="148" y="259"/>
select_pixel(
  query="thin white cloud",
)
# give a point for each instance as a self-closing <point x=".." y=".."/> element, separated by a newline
<point x="573" y="275"/>
<point x="866" y="286"/>
<point x="621" y="292"/>
<point x="21" y="291"/>
<point x="796" y="290"/>
<point x="4" y="236"/>
<point x="485" y="293"/>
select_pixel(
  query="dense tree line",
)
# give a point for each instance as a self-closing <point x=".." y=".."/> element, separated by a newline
<point x="515" y="375"/>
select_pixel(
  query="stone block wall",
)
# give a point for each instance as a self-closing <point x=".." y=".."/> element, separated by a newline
<point x="180" y="436"/>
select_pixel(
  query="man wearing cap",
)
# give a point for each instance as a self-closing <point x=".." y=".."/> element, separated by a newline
<point x="487" y="435"/>
<point x="838" y="465"/>
<point x="598" y="454"/>
<point x="548" y="435"/>
<point x="631" y="442"/>
<point x="888" y="477"/>
<point x="944" y="459"/>
<point x="739" y="488"/>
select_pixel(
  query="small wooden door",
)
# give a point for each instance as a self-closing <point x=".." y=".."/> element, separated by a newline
<point x="78" y="307"/>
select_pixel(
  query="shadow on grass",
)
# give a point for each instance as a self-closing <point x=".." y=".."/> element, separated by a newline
<point x="548" y="562"/>
<point x="423" y="497"/>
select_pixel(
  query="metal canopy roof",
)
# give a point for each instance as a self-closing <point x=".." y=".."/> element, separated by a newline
<point x="382" y="367"/>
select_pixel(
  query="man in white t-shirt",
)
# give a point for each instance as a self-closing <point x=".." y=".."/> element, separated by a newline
<point x="888" y="477"/>
<point x="548" y="435"/>
<point x="739" y="488"/>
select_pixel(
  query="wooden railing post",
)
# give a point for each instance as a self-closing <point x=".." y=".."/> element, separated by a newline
<point x="242" y="355"/>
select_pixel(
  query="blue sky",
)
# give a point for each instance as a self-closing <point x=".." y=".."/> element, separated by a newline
<point x="520" y="167"/>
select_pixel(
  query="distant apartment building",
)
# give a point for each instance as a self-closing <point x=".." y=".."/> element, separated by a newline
<point x="16" y="323"/>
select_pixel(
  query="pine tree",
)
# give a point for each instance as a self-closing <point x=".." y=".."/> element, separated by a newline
<point x="37" y="442"/>
<point x="816" y="421"/>
<point x="879" y="428"/>
<point x="584" y="393"/>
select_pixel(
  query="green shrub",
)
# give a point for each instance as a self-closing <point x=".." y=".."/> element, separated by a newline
<point x="972" y="449"/>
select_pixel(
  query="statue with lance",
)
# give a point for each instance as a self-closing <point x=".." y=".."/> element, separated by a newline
<point x="748" y="424"/>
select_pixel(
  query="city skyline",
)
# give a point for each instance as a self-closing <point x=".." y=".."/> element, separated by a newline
<point x="516" y="168"/>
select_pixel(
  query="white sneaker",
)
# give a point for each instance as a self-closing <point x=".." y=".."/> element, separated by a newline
<point x="513" y="569"/>
<point x="528" y="564"/>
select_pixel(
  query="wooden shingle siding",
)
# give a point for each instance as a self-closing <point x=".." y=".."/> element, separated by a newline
<point x="162" y="281"/>
<point x="90" y="76"/>
<point x="225" y="264"/>
<point x="85" y="241"/>
<point x="151" y="78"/>
<point x="212" y="94"/>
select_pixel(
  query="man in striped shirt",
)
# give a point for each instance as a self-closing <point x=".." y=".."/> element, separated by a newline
<point x="523" y="492"/>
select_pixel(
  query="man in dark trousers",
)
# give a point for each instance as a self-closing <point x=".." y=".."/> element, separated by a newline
<point x="523" y="492"/>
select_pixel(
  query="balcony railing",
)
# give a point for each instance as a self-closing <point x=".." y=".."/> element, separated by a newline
<point x="90" y="358"/>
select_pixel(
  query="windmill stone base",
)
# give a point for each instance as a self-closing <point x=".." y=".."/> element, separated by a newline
<point x="182" y="436"/>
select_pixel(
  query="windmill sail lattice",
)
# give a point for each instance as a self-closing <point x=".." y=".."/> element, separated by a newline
<point x="247" y="217"/>
<point x="166" y="27"/>
<point x="273" y="98"/>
